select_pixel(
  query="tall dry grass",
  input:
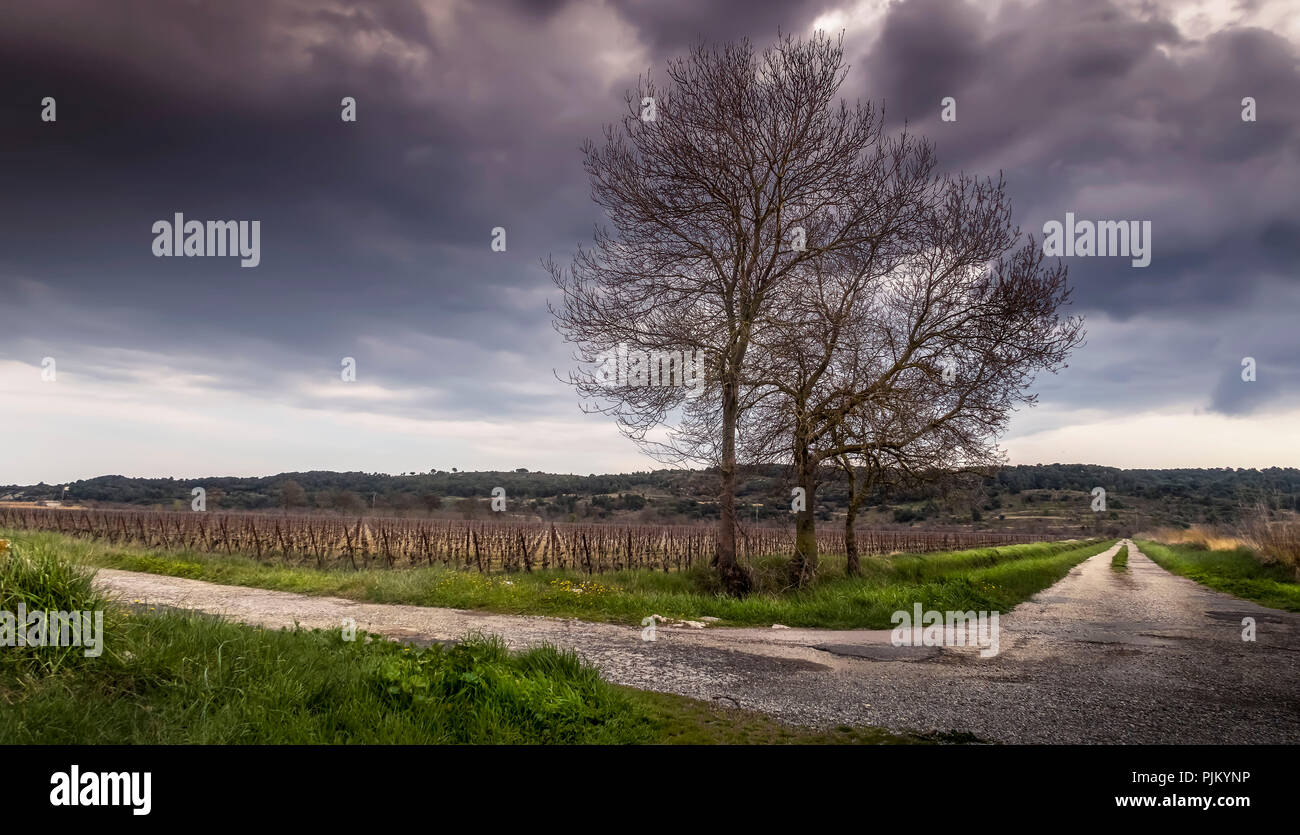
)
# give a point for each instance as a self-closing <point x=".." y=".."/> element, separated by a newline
<point x="1198" y="536"/>
<point x="1272" y="541"/>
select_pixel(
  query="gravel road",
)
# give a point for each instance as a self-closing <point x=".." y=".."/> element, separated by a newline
<point x="1140" y="656"/>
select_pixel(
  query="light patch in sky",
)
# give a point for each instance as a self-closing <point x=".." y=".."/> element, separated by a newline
<point x="1158" y="440"/>
<point x="76" y="428"/>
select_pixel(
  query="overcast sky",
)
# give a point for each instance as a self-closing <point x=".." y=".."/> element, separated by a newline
<point x="375" y="235"/>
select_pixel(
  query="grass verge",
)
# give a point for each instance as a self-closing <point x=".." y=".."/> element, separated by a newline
<point x="1119" y="562"/>
<point x="1237" y="572"/>
<point x="182" y="678"/>
<point x="980" y="579"/>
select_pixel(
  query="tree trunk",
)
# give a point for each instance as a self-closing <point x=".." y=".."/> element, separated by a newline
<point x="803" y="568"/>
<point x="858" y="490"/>
<point x="734" y="577"/>
<point x="851" y="565"/>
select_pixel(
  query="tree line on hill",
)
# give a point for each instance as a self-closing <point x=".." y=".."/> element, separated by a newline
<point x="675" y="494"/>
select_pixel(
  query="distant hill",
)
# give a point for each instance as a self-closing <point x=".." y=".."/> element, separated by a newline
<point x="1046" y="496"/>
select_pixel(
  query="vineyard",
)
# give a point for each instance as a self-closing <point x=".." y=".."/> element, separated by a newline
<point x="333" y="542"/>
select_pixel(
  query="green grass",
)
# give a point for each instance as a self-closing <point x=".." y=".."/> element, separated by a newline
<point x="981" y="579"/>
<point x="1237" y="572"/>
<point x="183" y="678"/>
<point x="38" y="579"/>
<point x="1119" y="562"/>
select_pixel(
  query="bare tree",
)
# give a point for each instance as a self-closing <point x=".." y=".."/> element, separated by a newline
<point x="918" y="367"/>
<point x="748" y="169"/>
<point x="908" y="437"/>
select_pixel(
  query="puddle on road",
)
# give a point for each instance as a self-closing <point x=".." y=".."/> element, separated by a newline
<point x="881" y="652"/>
<point x="1237" y="616"/>
<point x="1102" y="636"/>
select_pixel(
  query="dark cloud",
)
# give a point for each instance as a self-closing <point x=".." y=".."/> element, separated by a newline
<point x="375" y="235"/>
<point x="671" y="26"/>
<point x="1088" y="108"/>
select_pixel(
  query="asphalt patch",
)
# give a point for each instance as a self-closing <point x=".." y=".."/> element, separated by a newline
<point x="881" y="652"/>
<point x="1237" y="616"/>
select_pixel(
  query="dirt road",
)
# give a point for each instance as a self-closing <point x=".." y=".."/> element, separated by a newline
<point x="1102" y="656"/>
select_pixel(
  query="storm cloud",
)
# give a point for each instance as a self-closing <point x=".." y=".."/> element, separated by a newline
<point x="375" y="235"/>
